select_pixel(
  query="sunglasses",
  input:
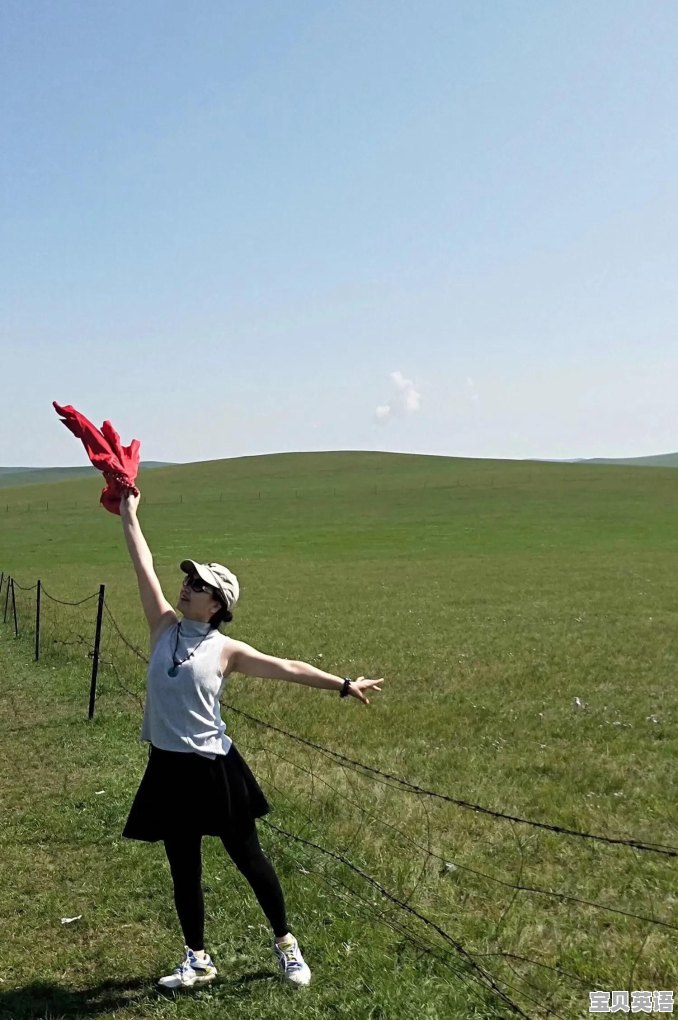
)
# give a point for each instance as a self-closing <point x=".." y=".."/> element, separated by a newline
<point x="196" y="585"/>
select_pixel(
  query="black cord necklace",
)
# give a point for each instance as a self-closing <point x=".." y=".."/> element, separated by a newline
<point x="179" y="662"/>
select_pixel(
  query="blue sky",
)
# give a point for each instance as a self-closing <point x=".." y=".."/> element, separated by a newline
<point x="433" y="227"/>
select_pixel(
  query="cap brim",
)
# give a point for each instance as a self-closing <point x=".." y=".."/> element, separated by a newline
<point x="189" y="567"/>
<point x="203" y="572"/>
<point x="206" y="575"/>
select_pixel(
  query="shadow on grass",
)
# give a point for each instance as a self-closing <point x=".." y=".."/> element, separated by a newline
<point x="44" y="1001"/>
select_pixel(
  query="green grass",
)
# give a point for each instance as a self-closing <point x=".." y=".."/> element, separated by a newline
<point x="490" y="595"/>
<point x="22" y="476"/>
<point x="657" y="460"/>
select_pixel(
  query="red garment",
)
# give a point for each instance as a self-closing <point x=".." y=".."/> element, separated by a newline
<point x="119" y="464"/>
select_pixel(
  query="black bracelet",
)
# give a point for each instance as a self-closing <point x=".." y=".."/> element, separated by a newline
<point x="343" y="693"/>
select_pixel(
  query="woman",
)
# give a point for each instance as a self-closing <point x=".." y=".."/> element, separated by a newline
<point x="196" y="783"/>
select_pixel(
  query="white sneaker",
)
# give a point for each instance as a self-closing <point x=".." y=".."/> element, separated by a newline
<point x="193" y="971"/>
<point x="292" y="964"/>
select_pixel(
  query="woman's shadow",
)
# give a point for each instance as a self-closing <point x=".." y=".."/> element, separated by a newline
<point x="41" y="999"/>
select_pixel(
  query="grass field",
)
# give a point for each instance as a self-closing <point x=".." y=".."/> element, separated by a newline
<point x="491" y="595"/>
<point x="13" y="477"/>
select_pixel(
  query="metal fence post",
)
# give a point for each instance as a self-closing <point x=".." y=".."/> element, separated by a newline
<point x="37" y="620"/>
<point x="95" y="653"/>
<point x="9" y="581"/>
<point x="16" y="623"/>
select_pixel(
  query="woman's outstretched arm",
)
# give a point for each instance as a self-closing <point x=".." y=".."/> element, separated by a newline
<point x="159" y="613"/>
<point x="245" y="659"/>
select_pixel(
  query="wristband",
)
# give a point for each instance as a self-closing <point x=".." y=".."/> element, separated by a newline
<point x="343" y="693"/>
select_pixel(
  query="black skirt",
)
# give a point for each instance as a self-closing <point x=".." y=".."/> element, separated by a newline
<point x="186" y="793"/>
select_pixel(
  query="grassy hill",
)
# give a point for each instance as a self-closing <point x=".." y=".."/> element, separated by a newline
<point x="659" y="460"/>
<point x="314" y="465"/>
<point x="18" y="476"/>
<point x="524" y="617"/>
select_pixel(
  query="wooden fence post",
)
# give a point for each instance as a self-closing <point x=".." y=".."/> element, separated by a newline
<point x="95" y="653"/>
<point x="37" y="621"/>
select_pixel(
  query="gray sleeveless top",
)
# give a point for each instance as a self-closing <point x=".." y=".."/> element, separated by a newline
<point x="183" y="712"/>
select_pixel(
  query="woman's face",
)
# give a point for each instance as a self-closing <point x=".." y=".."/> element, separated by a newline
<point x="197" y="600"/>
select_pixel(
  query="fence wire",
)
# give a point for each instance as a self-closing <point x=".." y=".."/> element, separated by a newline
<point x="122" y="666"/>
<point x="67" y="629"/>
<point x="22" y="603"/>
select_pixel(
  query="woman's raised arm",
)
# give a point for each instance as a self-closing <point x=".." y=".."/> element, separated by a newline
<point x="159" y="613"/>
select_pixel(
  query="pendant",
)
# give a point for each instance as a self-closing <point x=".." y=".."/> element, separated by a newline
<point x="173" y="671"/>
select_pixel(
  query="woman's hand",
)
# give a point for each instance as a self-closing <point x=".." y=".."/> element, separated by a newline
<point x="129" y="502"/>
<point x="357" y="687"/>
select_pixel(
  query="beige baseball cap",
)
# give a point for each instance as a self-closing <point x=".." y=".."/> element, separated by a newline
<point x="220" y="577"/>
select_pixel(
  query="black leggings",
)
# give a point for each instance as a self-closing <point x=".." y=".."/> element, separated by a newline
<point x="185" y="861"/>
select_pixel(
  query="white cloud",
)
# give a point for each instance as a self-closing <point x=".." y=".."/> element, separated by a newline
<point x="405" y="401"/>
<point x="412" y="400"/>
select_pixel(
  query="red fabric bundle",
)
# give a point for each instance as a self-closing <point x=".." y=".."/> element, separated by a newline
<point x="118" y="463"/>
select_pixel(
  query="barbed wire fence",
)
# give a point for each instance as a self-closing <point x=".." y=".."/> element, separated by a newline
<point x="378" y="822"/>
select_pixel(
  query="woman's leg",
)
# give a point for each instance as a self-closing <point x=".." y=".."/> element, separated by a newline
<point x="184" y="856"/>
<point x="248" y="857"/>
